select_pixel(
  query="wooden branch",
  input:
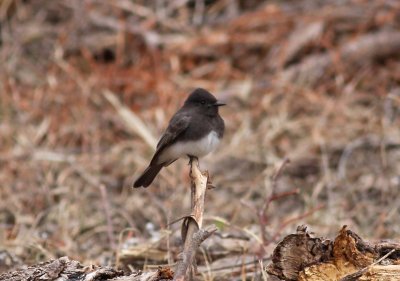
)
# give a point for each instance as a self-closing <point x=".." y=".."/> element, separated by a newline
<point x="302" y="257"/>
<point x="198" y="191"/>
<point x="192" y="235"/>
<point x="189" y="252"/>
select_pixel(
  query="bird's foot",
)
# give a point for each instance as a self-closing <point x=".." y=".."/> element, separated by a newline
<point x="191" y="158"/>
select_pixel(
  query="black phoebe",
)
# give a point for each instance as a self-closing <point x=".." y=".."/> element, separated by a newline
<point x="195" y="130"/>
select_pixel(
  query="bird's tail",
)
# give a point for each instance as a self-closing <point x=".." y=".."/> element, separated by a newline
<point x="148" y="176"/>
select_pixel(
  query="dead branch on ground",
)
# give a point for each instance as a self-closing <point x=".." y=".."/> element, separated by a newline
<point x="66" y="269"/>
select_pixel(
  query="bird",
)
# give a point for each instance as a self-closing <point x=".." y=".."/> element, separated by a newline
<point x="195" y="130"/>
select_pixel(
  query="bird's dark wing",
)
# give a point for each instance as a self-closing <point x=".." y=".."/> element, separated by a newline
<point x="177" y="126"/>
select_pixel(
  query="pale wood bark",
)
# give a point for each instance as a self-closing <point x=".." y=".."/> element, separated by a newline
<point x="192" y="234"/>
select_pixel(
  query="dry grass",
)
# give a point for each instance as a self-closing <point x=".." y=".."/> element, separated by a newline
<point x="68" y="154"/>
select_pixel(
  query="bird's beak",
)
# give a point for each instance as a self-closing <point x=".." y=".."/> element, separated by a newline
<point x="218" y="103"/>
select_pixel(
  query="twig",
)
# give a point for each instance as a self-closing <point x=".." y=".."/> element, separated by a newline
<point x="190" y="252"/>
<point x="299" y="217"/>
<point x="278" y="173"/>
<point x="262" y="213"/>
<point x="132" y="121"/>
<point x="107" y="210"/>
<point x="358" y="274"/>
<point x="232" y="266"/>
<point x="263" y="273"/>
<point x="274" y="196"/>
<point x="105" y="200"/>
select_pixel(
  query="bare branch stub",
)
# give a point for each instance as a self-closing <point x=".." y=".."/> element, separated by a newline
<point x="198" y="191"/>
<point x="192" y="234"/>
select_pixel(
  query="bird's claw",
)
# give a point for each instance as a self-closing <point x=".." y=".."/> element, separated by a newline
<point x="191" y="158"/>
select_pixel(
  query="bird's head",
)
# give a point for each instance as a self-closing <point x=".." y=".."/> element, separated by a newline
<point x="204" y="101"/>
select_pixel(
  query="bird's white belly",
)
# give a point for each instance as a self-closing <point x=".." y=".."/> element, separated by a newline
<point x="195" y="148"/>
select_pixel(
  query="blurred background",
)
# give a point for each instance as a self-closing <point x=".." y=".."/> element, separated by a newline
<point x="87" y="87"/>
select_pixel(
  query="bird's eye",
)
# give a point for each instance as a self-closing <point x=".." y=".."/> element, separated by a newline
<point x="203" y="102"/>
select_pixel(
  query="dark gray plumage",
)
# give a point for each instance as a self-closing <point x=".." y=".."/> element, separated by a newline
<point x="195" y="130"/>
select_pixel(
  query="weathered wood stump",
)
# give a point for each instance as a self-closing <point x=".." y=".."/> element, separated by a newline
<point x="305" y="258"/>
